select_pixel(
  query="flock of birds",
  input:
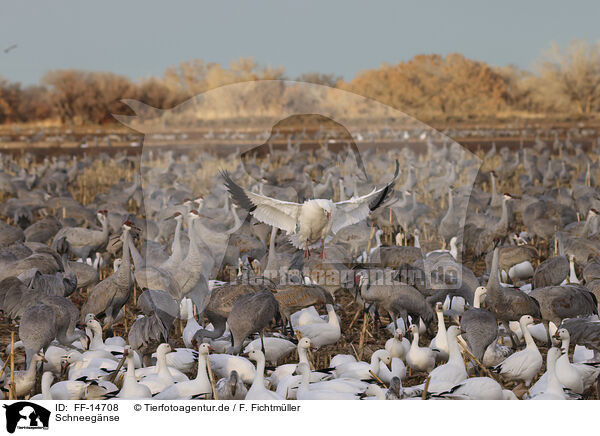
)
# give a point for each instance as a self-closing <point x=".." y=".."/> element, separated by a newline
<point x="217" y="290"/>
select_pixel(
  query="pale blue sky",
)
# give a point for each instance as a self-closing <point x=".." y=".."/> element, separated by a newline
<point x="143" y="37"/>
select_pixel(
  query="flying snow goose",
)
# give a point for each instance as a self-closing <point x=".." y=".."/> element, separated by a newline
<point x="313" y="220"/>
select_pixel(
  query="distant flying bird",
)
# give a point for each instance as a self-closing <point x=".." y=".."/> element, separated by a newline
<point x="12" y="47"/>
<point x="313" y="220"/>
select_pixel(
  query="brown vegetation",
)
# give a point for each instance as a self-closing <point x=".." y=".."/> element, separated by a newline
<point x="429" y="87"/>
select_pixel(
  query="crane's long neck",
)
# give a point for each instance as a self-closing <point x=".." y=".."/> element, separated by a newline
<point x="503" y="223"/>
<point x="176" y="250"/>
<point x="493" y="284"/>
<point x="138" y="260"/>
<point x="124" y="271"/>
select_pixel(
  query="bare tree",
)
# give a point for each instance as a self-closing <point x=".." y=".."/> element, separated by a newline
<point x="572" y="77"/>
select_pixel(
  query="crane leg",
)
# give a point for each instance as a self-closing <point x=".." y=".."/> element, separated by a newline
<point x="306" y="252"/>
<point x="262" y="342"/>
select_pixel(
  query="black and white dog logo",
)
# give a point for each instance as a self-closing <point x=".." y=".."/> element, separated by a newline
<point x="26" y="415"/>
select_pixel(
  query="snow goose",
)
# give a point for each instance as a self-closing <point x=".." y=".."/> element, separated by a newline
<point x="308" y="315"/>
<point x="478" y="388"/>
<point x="523" y="365"/>
<point x="554" y="389"/>
<point x="453" y="372"/>
<point x="283" y="380"/>
<point x="419" y="358"/>
<point x="321" y="334"/>
<point x="574" y="376"/>
<point x="258" y="391"/>
<point x="191" y="388"/>
<point x="86" y="365"/>
<point x="305" y="392"/>
<point x="363" y="370"/>
<point x="440" y="342"/>
<point x="231" y="388"/>
<point x="132" y="389"/>
<point x="275" y="348"/>
<point x="162" y="378"/>
<point x="223" y="364"/>
<point x="398" y="345"/>
<point x="313" y="220"/>
<point x="47" y="379"/>
<point x="191" y="325"/>
<point x="25" y="380"/>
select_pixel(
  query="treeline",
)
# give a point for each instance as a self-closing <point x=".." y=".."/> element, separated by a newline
<point x="563" y="83"/>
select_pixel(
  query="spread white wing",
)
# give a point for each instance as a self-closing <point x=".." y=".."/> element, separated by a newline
<point x="356" y="209"/>
<point x="276" y="213"/>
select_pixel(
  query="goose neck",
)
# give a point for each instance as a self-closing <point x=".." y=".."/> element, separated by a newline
<point x="202" y="371"/>
<point x="529" y="342"/>
<point x="302" y="355"/>
<point x="260" y="370"/>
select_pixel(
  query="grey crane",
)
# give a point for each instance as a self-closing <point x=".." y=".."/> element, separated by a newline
<point x="43" y="230"/>
<point x="508" y="304"/>
<point x="479" y="327"/>
<point x="84" y="241"/>
<point x="109" y="296"/>
<point x="149" y="331"/>
<point x="218" y="308"/>
<point x="560" y="302"/>
<point x="251" y="313"/>
<point x="37" y="330"/>
<point x="584" y="331"/>
<point x="396" y="299"/>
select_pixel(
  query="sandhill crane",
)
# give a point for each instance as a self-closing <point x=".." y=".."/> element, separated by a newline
<point x="479" y="326"/>
<point x="508" y="304"/>
<point x="219" y="307"/>
<point x="84" y="241"/>
<point x="251" y="313"/>
<point x="313" y="220"/>
<point x="43" y="230"/>
<point x="149" y="331"/>
<point x="109" y="296"/>
<point x="561" y="302"/>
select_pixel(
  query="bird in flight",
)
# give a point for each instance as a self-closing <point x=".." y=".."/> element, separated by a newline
<point x="313" y="220"/>
<point x="12" y="47"/>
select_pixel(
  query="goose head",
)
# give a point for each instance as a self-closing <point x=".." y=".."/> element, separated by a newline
<point x="204" y="349"/>
<point x="163" y="349"/>
<point x="306" y="344"/>
<point x="383" y="356"/>
<point x="439" y="307"/>
<point x="480" y="291"/>
<point x="562" y="334"/>
<point x="526" y="320"/>
<point x="256" y="355"/>
<point x="453" y="331"/>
